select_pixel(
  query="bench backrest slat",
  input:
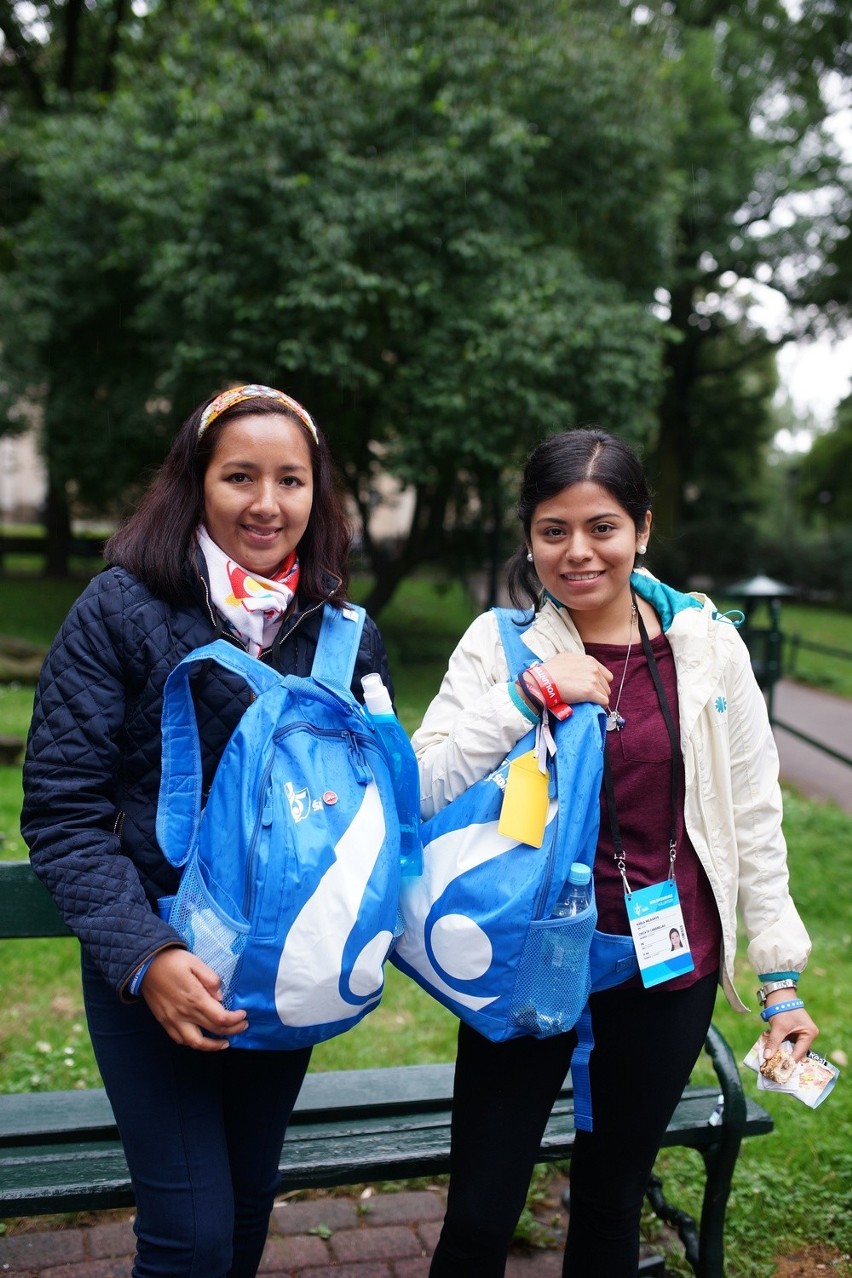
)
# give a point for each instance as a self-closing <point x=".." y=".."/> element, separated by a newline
<point x="26" y="906"/>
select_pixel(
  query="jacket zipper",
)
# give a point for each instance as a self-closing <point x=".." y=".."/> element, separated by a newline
<point x="225" y="634"/>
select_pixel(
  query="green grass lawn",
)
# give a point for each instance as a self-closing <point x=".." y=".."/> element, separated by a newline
<point x="792" y="1190"/>
<point x="824" y="626"/>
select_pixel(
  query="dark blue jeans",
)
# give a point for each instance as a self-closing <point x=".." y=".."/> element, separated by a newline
<point x="202" y="1133"/>
<point x="646" y="1044"/>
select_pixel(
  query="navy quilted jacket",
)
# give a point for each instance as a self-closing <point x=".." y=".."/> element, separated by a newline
<point x="92" y="769"/>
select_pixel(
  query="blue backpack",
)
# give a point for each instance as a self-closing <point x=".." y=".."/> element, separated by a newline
<point x="290" y="879"/>
<point x="479" y="935"/>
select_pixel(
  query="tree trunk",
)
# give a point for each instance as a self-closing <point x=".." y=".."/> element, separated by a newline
<point x="420" y="546"/>
<point x="57" y="520"/>
<point x="68" y="68"/>
<point x="495" y="551"/>
<point x="670" y="463"/>
<point x="119" y="11"/>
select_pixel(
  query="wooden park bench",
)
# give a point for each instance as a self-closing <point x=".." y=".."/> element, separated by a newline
<point x="59" y="1151"/>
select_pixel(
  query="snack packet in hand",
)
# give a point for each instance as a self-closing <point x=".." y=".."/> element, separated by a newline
<point x="809" y="1080"/>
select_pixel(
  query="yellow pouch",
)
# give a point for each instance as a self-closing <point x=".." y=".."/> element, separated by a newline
<point x="523" y="815"/>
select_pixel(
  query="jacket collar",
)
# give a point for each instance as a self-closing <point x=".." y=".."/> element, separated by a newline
<point x="699" y="636"/>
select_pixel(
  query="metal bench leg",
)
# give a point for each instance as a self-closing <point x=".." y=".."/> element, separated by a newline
<point x="719" y="1163"/>
<point x="720" y="1160"/>
<point x="687" y="1230"/>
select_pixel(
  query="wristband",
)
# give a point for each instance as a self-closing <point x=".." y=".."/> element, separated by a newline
<point x="135" y="982"/>
<point x="792" y="1005"/>
<point x="532" y="715"/>
<point x="534" y="693"/>
<point x="552" y="699"/>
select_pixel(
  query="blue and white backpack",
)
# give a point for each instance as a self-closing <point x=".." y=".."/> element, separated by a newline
<point x="479" y="935"/>
<point x="290" y="879"/>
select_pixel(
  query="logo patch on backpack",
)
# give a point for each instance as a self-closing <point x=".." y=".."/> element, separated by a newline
<point x="299" y="801"/>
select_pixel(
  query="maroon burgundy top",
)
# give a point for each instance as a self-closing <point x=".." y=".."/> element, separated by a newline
<point x="640" y="758"/>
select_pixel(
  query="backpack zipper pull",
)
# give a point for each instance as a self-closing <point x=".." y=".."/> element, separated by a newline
<point x="362" y="771"/>
<point x="266" y="814"/>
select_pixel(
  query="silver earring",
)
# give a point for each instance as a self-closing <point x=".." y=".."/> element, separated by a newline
<point x="529" y="556"/>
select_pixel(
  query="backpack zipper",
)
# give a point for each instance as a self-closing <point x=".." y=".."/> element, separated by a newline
<point x="551" y="857"/>
<point x="363" y="773"/>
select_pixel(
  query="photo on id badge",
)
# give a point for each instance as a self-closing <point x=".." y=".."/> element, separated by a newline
<point x="659" y="935"/>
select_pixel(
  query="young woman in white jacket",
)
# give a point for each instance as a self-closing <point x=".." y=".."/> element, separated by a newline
<point x="690" y="794"/>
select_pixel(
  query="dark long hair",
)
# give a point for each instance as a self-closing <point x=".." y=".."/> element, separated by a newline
<point x="157" y="541"/>
<point x="573" y="457"/>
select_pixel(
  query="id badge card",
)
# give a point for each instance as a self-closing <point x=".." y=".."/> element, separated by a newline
<point x="659" y="936"/>
<point x="523" y="816"/>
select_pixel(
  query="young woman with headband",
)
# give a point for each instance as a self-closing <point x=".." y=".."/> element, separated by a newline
<point x="241" y="536"/>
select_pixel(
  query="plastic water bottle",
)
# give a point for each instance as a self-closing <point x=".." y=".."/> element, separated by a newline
<point x="403" y="766"/>
<point x="576" y="894"/>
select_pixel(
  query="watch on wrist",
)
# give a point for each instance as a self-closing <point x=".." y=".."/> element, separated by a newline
<point x="771" y="986"/>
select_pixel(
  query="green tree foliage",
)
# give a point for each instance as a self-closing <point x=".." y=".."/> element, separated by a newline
<point x="413" y="219"/>
<point x="57" y="63"/>
<point x="825" y="493"/>
<point x="442" y="224"/>
<point x="762" y="202"/>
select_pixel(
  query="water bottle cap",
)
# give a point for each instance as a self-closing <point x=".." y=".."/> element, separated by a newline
<point x="376" y="696"/>
<point x="579" y="873"/>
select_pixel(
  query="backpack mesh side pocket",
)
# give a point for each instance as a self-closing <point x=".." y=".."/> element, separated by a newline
<point x="210" y="934"/>
<point x="554" y="976"/>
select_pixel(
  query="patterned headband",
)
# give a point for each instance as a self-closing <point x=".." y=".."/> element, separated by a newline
<point x="237" y="394"/>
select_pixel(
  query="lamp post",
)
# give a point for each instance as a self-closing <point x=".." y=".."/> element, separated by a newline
<point x="764" y="642"/>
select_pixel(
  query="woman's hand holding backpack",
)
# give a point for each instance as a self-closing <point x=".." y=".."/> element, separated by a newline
<point x="184" y="994"/>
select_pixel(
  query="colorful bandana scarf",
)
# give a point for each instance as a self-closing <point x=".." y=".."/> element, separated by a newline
<point x="237" y="394"/>
<point x="252" y="605"/>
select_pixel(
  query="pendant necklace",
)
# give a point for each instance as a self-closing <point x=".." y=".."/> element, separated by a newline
<point x="615" y="721"/>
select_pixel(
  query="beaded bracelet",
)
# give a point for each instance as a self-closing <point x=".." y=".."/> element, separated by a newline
<point x="792" y="1005"/>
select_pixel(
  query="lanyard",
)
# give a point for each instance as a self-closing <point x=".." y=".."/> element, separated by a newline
<point x="618" y="846"/>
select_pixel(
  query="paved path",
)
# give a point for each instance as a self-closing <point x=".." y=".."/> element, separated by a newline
<point x="826" y="718"/>
<point x="384" y="1235"/>
<point x="377" y="1235"/>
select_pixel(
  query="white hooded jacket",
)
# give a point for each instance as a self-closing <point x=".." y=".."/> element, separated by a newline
<point x="732" y="803"/>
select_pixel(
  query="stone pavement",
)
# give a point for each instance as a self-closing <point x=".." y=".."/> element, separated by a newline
<point x="377" y="1235"/>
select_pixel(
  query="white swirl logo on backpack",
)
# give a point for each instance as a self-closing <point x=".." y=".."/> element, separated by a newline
<point x="312" y="957"/>
<point x="459" y="945"/>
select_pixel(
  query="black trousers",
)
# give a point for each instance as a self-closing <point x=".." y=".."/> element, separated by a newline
<point x="646" y="1044"/>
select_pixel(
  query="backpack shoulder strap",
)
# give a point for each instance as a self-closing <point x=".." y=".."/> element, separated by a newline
<point x="179" y="807"/>
<point x="337" y="645"/>
<point x="512" y="624"/>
